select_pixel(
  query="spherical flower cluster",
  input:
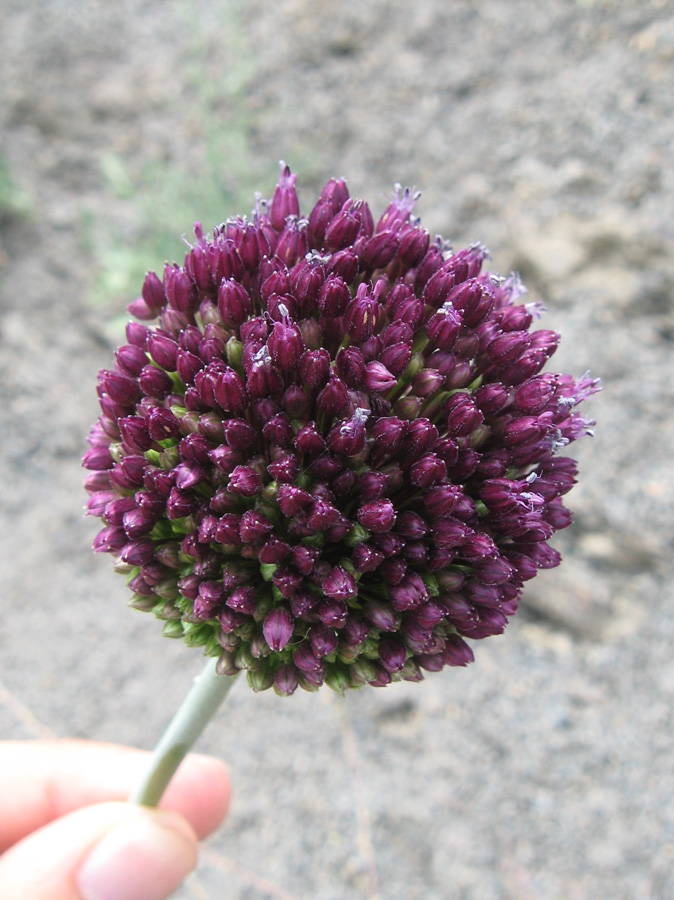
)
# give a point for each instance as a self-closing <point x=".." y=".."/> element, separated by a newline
<point x="334" y="457"/>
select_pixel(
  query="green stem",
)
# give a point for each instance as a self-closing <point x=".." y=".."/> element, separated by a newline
<point x="199" y="706"/>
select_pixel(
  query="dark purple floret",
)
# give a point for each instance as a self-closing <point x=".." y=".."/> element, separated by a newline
<point x="333" y="456"/>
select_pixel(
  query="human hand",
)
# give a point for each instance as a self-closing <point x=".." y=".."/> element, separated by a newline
<point x="67" y="834"/>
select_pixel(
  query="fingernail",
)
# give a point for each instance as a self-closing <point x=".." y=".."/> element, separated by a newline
<point x="145" y="858"/>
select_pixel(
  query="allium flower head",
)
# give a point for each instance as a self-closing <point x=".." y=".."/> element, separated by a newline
<point x="333" y="457"/>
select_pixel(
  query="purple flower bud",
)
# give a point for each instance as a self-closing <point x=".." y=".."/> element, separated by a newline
<point x="296" y="403"/>
<point x="137" y="553"/>
<point x="314" y="368"/>
<point x="187" y="366"/>
<point x="334" y="297"/>
<point x="120" y="388"/>
<point x="419" y="437"/>
<point x="323" y="514"/>
<point x="332" y="612"/>
<point x="209" y="598"/>
<point x="457" y="652"/>
<point x="278" y="628"/>
<point x="334" y="399"/>
<point x="274" y="550"/>
<point x="340" y="584"/>
<point x="506" y="349"/>
<point x="309" y="440"/>
<point x="428" y="382"/>
<point x="238" y="434"/>
<point x="418" y="637"/>
<point x="278" y="430"/>
<point x="396" y="357"/>
<point x="98" y="501"/>
<point x="380" y="249"/>
<point x="449" y="532"/>
<point x="393" y="570"/>
<point x="378" y="379"/>
<point x="534" y="395"/>
<point x="410" y="593"/>
<point x="136" y="334"/>
<point x="284" y="202"/>
<point x="428" y="470"/>
<point x="138" y="522"/>
<point x="372" y="485"/>
<point x="254" y="527"/>
<point x="323" y="641"/>
<point x="163" y="350"/>
<point x="437" y="288"/>
<point x="153" y="293"/>
<point x="362" y="314"/>
<point x="244" y="481"/>
<point x="392" y="653"/>
<point x="443" y="327"/>
<point x="227" y="530"/>
<point x="292" y="499"/>
<point x="381" y="678"/>
<point x="388" y="543"/>
<point x="494" y="570"/>
<point x="348" y="438"/>
<point x="225" y="459"/>
<point x="131" y="359"/>
<point x="154" y="382"/>
<point x="115" y="510"/>
<point x="333" y="196"/>
<point x="293" y="243"/>
<point x="350" y="367"/>
<point x="234" y="303"/>
<point x="129" y="473"/>
<point x="264" y="379"/>
<point x="463" y="416"/>
<point x="286" y="679"/>
<point x="431" y="662"/>
<point x="557" y="515"/>
<point x="381" y="615"/>
<point x="97" y="459"/>
<point x="388" y="433"/>
<point x="284" y="578"/>
<point x="230" y="392"/>
<point x="110" y="540"/>
<point x="342" y="230"/>
<point x="411" y="525"/>
<point x="229" y="619"/>
<point x="189" y="475"/>
<point x="213" y="348"/>
<point x="524" y="430"/>
<point x="195" y="448"/>
<point x="377" y="516"/>
<point x="525" y="568"/>
<point x="491" y="398"/>
<point x="414" y="242"/>
<point x="180" y="289"/>
<point x="366" y="558"/>
<point x="140" y="309"/>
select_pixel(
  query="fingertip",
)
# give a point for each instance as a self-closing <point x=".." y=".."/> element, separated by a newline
<point x="144" y="858"/>
<point x="200" y="792"/>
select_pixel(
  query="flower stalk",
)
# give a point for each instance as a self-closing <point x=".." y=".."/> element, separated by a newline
<point x="197" y="709"/>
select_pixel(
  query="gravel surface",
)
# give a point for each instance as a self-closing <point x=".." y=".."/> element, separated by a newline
<point x="545" y="131"/>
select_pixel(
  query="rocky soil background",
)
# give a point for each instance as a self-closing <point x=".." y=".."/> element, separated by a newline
<point x="547" y="132"/>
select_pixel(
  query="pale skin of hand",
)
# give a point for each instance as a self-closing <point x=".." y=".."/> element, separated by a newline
<point x="67" y="834"/>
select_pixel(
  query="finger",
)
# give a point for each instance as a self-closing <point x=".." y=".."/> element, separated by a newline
<point x="43" y="780"/>
<point x="105" y="852"/>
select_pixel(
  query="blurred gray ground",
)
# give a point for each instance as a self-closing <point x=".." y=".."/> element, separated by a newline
<point x="547" y="132"/>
